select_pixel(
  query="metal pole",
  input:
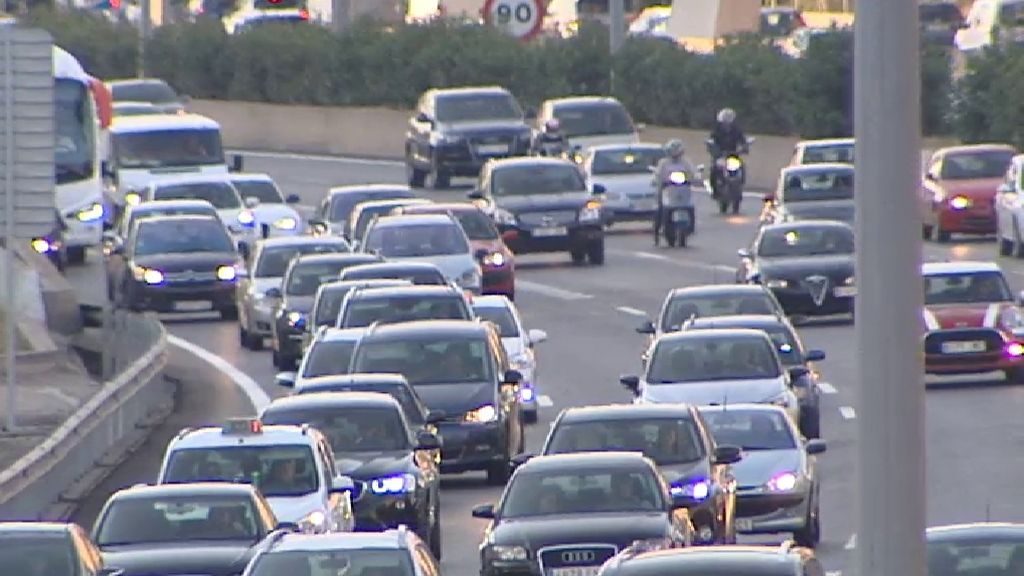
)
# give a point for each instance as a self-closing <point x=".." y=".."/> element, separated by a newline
<point x="616" y="33"/>
<point x="145" y="22"/>
<point x="10" y="298"/>
<point x="887" y="117"/>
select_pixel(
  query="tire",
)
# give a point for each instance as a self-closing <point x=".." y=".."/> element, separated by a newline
<point x="670" y="235"/>
<point x="939" y="235"/>
<point x="230" y="313"/>
<point x="595" y="253"/>
<point x="926" y="232"/>
<point x="275" y="359"/>
<point x="723" y="206"/>
<point x="579" y="256"/>
<point x="440" y="179"/>
<point x="810" y="535"/>
<point x="244" y="340"/>
<point x="1005" y="247"/>
<point x="810" y="423"/>
<point x="682" y="240"/>
<point x="76" y="255"/>
<point x="498" y="472"/>
<point x="736" y="206"/>
<point x="416" y="177"/>
<point x="1015" y="375"/>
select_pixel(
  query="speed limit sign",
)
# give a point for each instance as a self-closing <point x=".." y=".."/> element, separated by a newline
<point x="522" y="19"/>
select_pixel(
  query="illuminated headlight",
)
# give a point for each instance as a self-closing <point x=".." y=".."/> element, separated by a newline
<point x="41" y="245"/>
<point x="397" y="484"/>
<point x="591" y="212"/>
<point x="849" y="281"/>
<point x="286" y="223"/>
<point x="483" y="414"/>
<point x="677" y="178"/>
<point x="733" y="164"/>
<point x="147" y="275"/>
<point x="782" y="483"/>
<point x="314" y="523"/>
<point x="495" y="259"/>
<point x="960" y="203"/>
<point x="226" y="273"/>
<point x="246" y="218"/>
<point x="504" y="217"/>
<point x="777" y="283"/>
<point x="132" y="199"/>
<point x="296" y="319"/>
<point x="90" y="214"/>
<point x="507" y="553"/>
<point x="698" y="489"/>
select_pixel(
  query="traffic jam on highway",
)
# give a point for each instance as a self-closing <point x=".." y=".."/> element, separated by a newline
<point x="391" y="315"/>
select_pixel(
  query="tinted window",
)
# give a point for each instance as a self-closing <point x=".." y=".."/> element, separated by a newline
<point x="502" y="317"/>
<point x="162" y="148"/>
<point x="435" y="361"/>
<point x="796" y="242"/>
<point x="581" y="491"/>
<point x="328" y="305"/>
<point x="965" y="288"/>
<point x="839" y="153"/>
<point x="472" y="107"/>
<point x="400" y="393"/>
<point x="265" y="191"/>
<point x="594" y="120"/>
<point x="973" y="555"/>
<point x="274" y="261"/>
<point x="342" y="204"/>
<point x="414" y="241"/>
<point x="305" y="278"/>
<point x="155" y="92"/>
<point x="843" y="212"/>
<point x="818" y="186"/>
<point x="182" y="237"/>
<point x="700" y="360"/>
<point x="630" y="161"/>
<point x="136" y="214"/>
<point x="361" y="312"/>
<point x="222" y="195"/>
<point x="419" y="276"/>
<point x="681" y="308"/>
<point x="974" y="165"/>
<point x="348" y="429"/>
<point x="476" y="225"/>
<point x="360" y="562"/>
<point x="176" y="519"/>
<point x="32" y="554"/>
<point x="366" y="214"/>
<point x="539" y="179"/>
<point x="751" y="429"/>
<point x="277" y="470"/>
<point x="329" y="359"/>
<point x="664" y="440"/>
<point x="74" y="147"/>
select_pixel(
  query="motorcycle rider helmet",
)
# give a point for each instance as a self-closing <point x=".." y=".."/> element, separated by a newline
<point x="675" y="148"/>
<point x="552" y="126"/>
<point x="726" y="116"/>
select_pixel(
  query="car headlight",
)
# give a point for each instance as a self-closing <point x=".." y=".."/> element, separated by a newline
<point x="507" y="553"/>
<point x="850" y="281"/>
<point x="496" y="259"/>
<point x="483" y="414"/>
<point x="90" y="214"/>
<point x="246" y="218"/>
<point x="147" y="275"/>
<point x="226" y="273"/>
<point x="314" y="523"/>
<point x="776" y="283"/>
<point x="696" y="489"/>
<point x="469" y="278"/>
<point x="960" y="203"/>
<point x="504" y="217"/>
<point x="132" y="198"/>
<point x="782" y="482"/>
<point x="591" y="212"/>
<point x="296" y="320"/>
<point x="286" y="223"/>
<point x="397" y="484"/>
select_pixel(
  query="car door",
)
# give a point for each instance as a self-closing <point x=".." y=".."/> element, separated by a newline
<point x="508" y="395"/>
<point x="420" y="127"/>
<point x="1004" y="201"/>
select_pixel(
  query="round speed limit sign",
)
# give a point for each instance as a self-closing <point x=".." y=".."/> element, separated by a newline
<point x="522" y="19"/>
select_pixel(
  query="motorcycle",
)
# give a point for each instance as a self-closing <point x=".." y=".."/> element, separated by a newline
<point x="731" y="171"/>
<point x="553" y="149"/>
<point x="677" y="210"/>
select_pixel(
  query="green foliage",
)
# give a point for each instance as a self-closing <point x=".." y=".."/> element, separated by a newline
<point x="106" y="49"/>
<point x="987" y="106"/>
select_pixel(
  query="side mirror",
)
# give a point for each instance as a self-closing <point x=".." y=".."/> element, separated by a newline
<point x="106" y="170"/>
<point x="598" y="189"/>
<point x="512" y="377"/>
<point x="632" y="383"/>
<point x="435" y="416"/>
<point x="646" y="328"/>
<point x="292" y="199"/>
<point x="243" y="249"/>
<point x="273" y="293"/>
<point x="475" y="195"/>
<point x="481" y="254"/>
<point x="422" y="118"/>
<point x="815" y="446"/>
<point x="285" y="379"/>
<point x="798" y="372"/>
<point x="342" y="484"/>
<point x="251" y="201"/>
<point x="288" y="527"/>
<point x="814" y="355"/>
<point x="520" y="459"/>
<point x="728" y="454"/>
<point x="509" y="235"/>
<point x="427" y="441"/>
<point x="237" y="163"/>
<point x="743" y="253"/>
<point x="484" y="511"/>
<point x="536" y="336"/>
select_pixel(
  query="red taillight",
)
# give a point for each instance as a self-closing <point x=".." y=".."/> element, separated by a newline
<point x="115" y="4"/>
<point x="304" y="14"/>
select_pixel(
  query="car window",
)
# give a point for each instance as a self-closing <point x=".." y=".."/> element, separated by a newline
<point x="221" y="194"/>
<point x="786" y="345"/>
<point x="805" y="241"/>
<point x="273" y="261"/>
<point x="32" y="554"/>
<point x="976" y="555"/>
<point x="701" y="360"/>
<point x="154" y="92"/>
<point x="474" y="107"/>
<point x="401" y="394"/>
<point x="366" y="215"/>
<point x="810" y="186"/>
<point x="476" y="225"/>
<point x="682" y="308"/>
<point x="277" y="470"/>
<point x="174" y="519"/>
<point x="136" y="215"/>
<point x="166" y="148"/>
<point x="348" y="429"/>
<point x="594" y="120"/>
<point x="821" y="154"/>
<point x="414" y="241"/>
<point x="975" y="165"/>
<point x="265" y="191"/>
<point x="581" y="491"/>
<point x="501" y="317"/>
<point x="966" y="287"/>
<point x="438" y="360"/>
<point x="185" y="237"/>
<point x="327" y="358"/>
<point x="361" y="312"/>
<point x="536" y="180"/>
<point x="328" y="305"/>
<point x="626" y="161"/>
<point x="305" y="278"/>
<point x="664" y="440"/>
<point x="751" y="429"/>
<point x="352" y="562"/>
<point x="419" y="276"/>
<point x="342" y="204"/>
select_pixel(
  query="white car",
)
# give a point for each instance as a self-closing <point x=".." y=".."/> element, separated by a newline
<point x="1009" y="205"/>
<point x="214" y="188"/>
<point x="591" y="121"/>
<point x="625" y="172"/>
<point x="519" y="345"/>
<point x="989" y="22"/>
<point x="274" y="215"/>
<point x="827" y="151"/>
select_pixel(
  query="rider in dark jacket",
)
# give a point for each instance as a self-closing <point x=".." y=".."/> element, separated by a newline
<point x="726" y="138"/>
<point x="551" y="134"/>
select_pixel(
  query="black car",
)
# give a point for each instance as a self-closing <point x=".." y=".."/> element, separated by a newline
<point x="334" y="211"/>
<point x="576" y="511"/>
<point x="544" y="205"/>
<point x="669" y="559"/>
<point x="809" y="266"/>
<point x="304" y="276"/>
<point x="178" y="263"/>
<point x="677" y="439"/>
<point x="975" y="548"/>
<point x="395" y="474"/>
<point x="797" y="360"/>
<point x="45" y="548"/>
<point x="329" y="296"/>
<point x="364" y="306"/>
<point x="419" y="273"/>
<point x="199" y="528"/>
<point x="456" y="130"/>
<point x="459" y="367"/>
<point x="821" y="191"/>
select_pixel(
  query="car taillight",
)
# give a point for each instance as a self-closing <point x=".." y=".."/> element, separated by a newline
<point x="304" y="14"/>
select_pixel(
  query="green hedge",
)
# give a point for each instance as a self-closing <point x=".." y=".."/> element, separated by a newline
<point x="391" y="66"/>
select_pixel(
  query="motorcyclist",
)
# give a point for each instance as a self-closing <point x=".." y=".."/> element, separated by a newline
<point x="674" y="161"/>
<point x="726" y="138"/>
<point x="551" y="134"/>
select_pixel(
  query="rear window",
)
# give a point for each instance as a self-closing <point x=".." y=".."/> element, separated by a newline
<point x="400" y="393"/>
<point x="265" y="191"/>
<point x="274" y="261"/>
<point x="361" y="312"/>
<point x="222" y="195"/>
<point x="594" y="120"/>
<point x="155" y="92"/>
<point x="328" y="359"/>
<point x="502" y="317"/>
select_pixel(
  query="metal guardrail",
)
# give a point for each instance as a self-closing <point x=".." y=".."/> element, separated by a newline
<point x="126" y="403"/>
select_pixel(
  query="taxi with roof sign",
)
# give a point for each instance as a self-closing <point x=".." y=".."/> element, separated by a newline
<point x="293" y="467"/>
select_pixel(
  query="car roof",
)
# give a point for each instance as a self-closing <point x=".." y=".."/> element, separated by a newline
<point x="962" y="267"/>
<point x="583" y="101"/>
<point x="714" y="289"/>
<point x="558" y="462"/>
<point x="170" y="204"/>
<point x="55" y="528"/>
<point x="331" y="334"/>
<point x="624" y="412"/>
<point x="620" y="147"/>
<point x="396" y="266"/>
<point x="335" y="257"/>
<point x="185" y="489"/>
<point x="176" y="218"/>
<point x="375" y="283"/>
<point x="713" y="334"/>
<point x="409" y="291"/>
<point x="190" y="179"/>
<point x="826" y="167"/>
<point x="974" y="530"/>
<point x="302" y="240"/>
<point x="716" y="558"/>
<point x="389" y="202"/>
<point x="754" y="321"/>
<point x="826" y="142"/>
<point x="159" y="122"/>
<point x="338" y="541"/>
<point x="354" y="379"/>
<point x="485" y="89"/>
<point x="491" y="301"/>
<point x="333" y="400"/>
<point x="249" y="177"/>
<point x="809" y="223"/>
<point x="414" y="220"/>
<point x="440" y="207"/>
<point x="427" y="329"/>
<point x="215" y="437"/>
<point x="135" y="81"/>
<point x="967" y="148"/>
<point x="357" y="188"/>
<point x="519" y="161"/>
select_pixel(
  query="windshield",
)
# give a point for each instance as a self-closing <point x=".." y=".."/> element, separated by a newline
<point x="184" y="237"/>
<point x="367" y="214"/>
<point x="502" y="317"/>
<point x="352" y="562"/>
<point x="329" y="358"/>
<point x="833" y="153"/>
<point x="274" y="261"/>
<point x="701" y="360"/>
<point x="265" y="191"/>
<point x="476" y="225"/>
<point x="31" y="554"/>
<point x="417" y="240"/>
<point x="342" y="204"/>
<point x="581" y="491"/>
<point x="348" y="428"/>
<point x="306" y="277"/>
<point x="682" y="308"/>
<point x="977" y="556"/>
<point x="178" y="519"/>
<point x="818" y="186"/>
<point x="278" y="470"/>
<point x="537" y="180"/>
<point x="400" y="393"/>
<point x="166" y="148"/>
<point x="967" y="287"/>
<point x="976" y="165"/>
<point x="361" y="312"/>
<point x="476" y="107"/>
<point x="664" y="440"/>
<point x="843" y="212"/>
<point x="134" y="109"/>
<point x="222" y="195"/>
<point x="805" y="241"/>
<point x="74" y="129"/>
<point x="594" y="120"/>
<point x="438" y="360"/>
<point x="751" y="429"/>
<point x="631" y="161"/>
<point x="155" y="92"/>
<point x="135" y="215"/>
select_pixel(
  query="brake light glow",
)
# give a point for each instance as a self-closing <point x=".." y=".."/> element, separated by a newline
<point x="1015" y="349"/>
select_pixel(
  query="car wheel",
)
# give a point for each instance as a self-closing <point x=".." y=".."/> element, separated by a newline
<point x="810" y="423"/>
<point x="76" y="255"/>
<point x="1017" y="251"/>
<point x="1015" y="375"/>
<point x="595" y="253"/>
<point x="926" y="232"/>
<point x="579" y="256"/>
<point x="810" y="534"/>
<point x="229" y="313"/>
<point x="498" y="472"/>
<point x="275" y="358"/>
<point x="416" y="177"/>
<point x="244" y="340"/>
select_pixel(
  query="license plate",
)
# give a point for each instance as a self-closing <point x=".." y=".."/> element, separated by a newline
<point x="576" y="571"/>
<point x="492" y="149"/>
<point x="548" y="232"/>
<point x="963" y="347"/>
<point x="744" y="524"/>
<point x="681" y="216"/>
<point x="644" y="205"/>
<point x="193" y="306"/>
<point x="845" y="291"/>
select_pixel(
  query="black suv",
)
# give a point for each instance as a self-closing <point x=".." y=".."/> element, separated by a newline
<point x="395" y="474"/>
<point x="456" y="130"/>
<point x="669" y="559"/>
<point x="543" y="205"/>
<point x="364" y="306"/>
<point x="677" y="439"/>
<point x="460" y="367"/>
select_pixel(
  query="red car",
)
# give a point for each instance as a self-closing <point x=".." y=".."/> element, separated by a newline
<point x="972" y="320"/>
<point x="959" y="189"/>
<point x="496" y="260"/>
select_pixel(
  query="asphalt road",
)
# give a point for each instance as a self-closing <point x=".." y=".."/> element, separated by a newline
<point x="590" y="314"/>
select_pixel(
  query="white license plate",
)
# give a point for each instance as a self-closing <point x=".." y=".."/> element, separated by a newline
<point x="744" y="524"/>
<point x="576" y="571"/>
<point x="193" y="306"/>
<point x="845" y="291"/>
<point x="548" y="232"/>
<point x="963" y="347"/>
<point x="681" y="216"/>
<point x="644" y="205"/>
<point x="492" y="149"/>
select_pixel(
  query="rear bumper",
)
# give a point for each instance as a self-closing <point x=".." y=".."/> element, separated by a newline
<point x="165" y="297"/>
<point x="577" y="238"/>
<point x="499" y="281"/>
<point x="967" y="221"/>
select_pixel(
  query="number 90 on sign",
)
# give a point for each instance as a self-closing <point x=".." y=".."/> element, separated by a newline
<point x="519" y="18"/>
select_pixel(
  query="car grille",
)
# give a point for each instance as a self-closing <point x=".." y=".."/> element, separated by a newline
<point x="555" y="218"/>
<point x="190" y="276"/>
<point x="993" y="340"/>
<point x="556" y="557"/>
<point x="762" y="504"/>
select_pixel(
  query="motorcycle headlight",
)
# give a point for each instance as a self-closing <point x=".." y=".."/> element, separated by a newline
<point x="41" y="245"/>
<point x="148" y="275"/>
<point x="677" y="178"/>
<point x="314" y="523"/>
<point x="733" y="164"/>
<point x="960" y="203"/>
<point x="482" y="415"/>
<point x="495" y="259"/>
<point x="504" y="217"/>
<point x="397" y="484"/>
<point x="776" y="283"/>
<point x="296" y="320"/>
<point x="132" y="198"/>
<point x="90" y="214"/>
<point x="507" y="553"/>
<point x="782" y="482"/>
<point x="246" y="218"/>
<point x="696" y="489"/>
<point x="226" y="273"/>
<point x="591" y="212"/>
<point x="286" y="223"/>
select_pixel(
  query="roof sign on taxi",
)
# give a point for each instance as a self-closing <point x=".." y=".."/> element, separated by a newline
<point x="243" y="426"/>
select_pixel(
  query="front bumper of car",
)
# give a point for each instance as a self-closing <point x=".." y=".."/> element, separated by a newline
<point x="796" y="299"/>
<point x="376" y="512"/>
<point x="261" y="317"/>
<point x="761" y="511"/>
<point x="462" y="156"/>
<point x="174" y="297"/>
<point x="971" y="220"/>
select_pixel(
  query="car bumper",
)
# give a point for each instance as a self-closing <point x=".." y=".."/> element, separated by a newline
<point x="967" y="221"/>
<point x="172" y="298"/>
<point x="499" y="281"/>
<point x="771" y="513"/>
<point x="466" y="447"/>
<point x="261" y="320"/>
<point x="970" y="364"/>
<point x="511" y="569"/>
<point x="577" y="237"/>
<point x="797" y="301"/>
<point x="375" y="513"/>
<point x="994" y="357"/>
<point x="630" y="208"/>
<point x="288" y="340"/>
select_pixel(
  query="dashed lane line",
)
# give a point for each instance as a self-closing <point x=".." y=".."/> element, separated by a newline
<point x="631" y="311"/>
<point x="827" y="388"/>
<point x="848" y="412"/>
<point x="320" y="158"/>
<point x="553" y="292"/>
<point x="681" y="263"/>
<point x="851" y="543"/>
<point x="544" y="401"/>
<point x="257" y="397"/>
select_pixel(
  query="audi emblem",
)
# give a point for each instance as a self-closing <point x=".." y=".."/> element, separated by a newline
<point x="578" y="556"/>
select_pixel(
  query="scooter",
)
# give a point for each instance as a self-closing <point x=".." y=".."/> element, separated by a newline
<point x="677" y="210"/>
<point x="731" y="171"/>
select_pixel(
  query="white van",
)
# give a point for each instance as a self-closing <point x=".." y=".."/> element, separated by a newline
<point x="988" y="22"/>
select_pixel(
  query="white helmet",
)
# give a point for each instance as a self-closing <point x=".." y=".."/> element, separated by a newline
<point x="726" y="115"/>
<point x="675" y="147"/>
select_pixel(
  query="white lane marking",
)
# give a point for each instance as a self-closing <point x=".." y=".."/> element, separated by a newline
<point x="848" y="412"/>
<point x="851" y="543"/>
<point x="632" y="311"/>
<point x="319" y="158"/>
<point x="827" y="388"/>
<point x="257" y="397"/>
<point x="545" y="290"/>
<point x="651" y="256"/>
<point x="684" y="264"/>
<point x="544" y="401"/>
